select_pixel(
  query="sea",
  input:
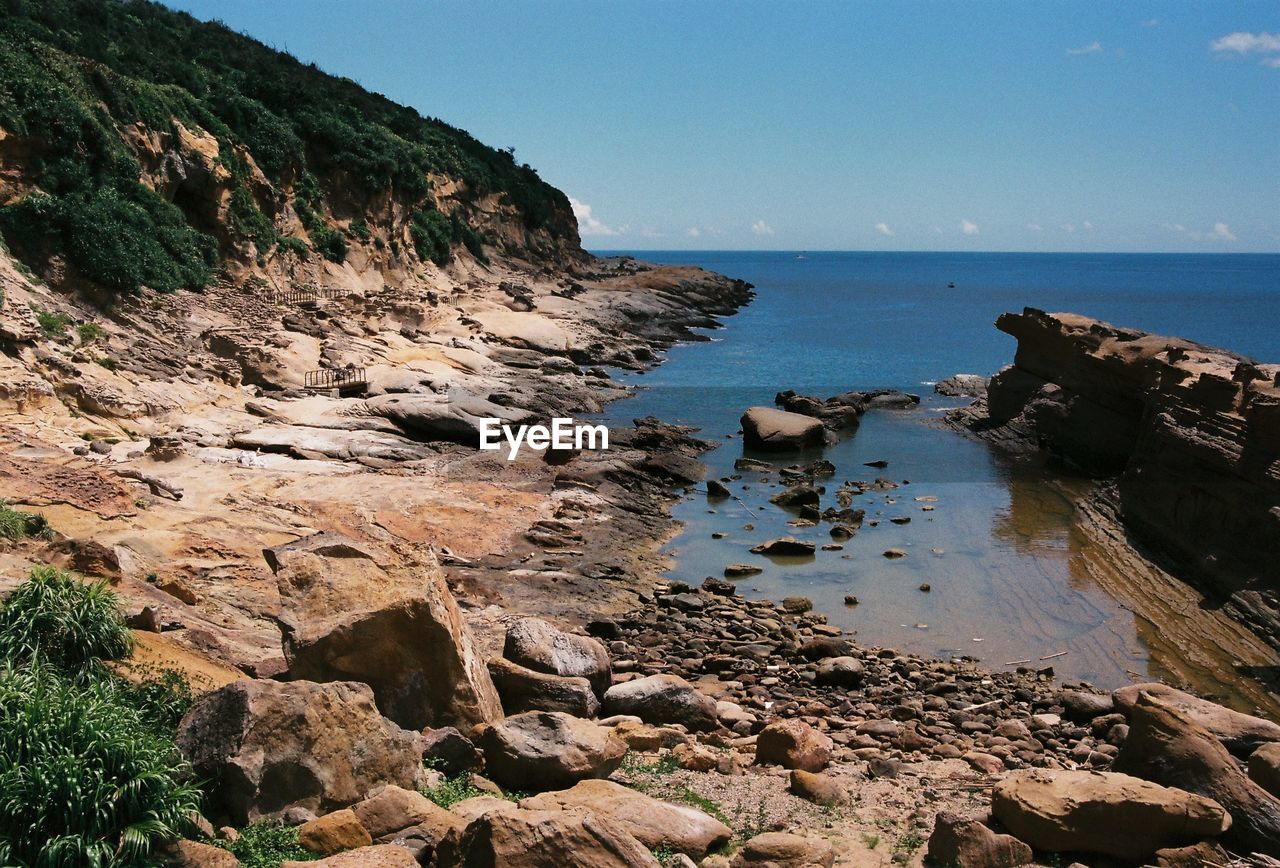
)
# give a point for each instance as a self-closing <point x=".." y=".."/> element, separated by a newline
<point x="996" y="566"/>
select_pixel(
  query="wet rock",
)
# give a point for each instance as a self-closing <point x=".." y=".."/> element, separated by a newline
<point x="1105" y="813"/>
<point x="523" y="689"/>
<point x="1083" y="707"/>
<point x="797" y="605"/>
<point x="796" y="497"/>
<point x="654" y="823"/>
<point x="793" y="744"/>
<point x="268" y="746"/>
<point x="353" y="611"/>
<point x="786" y="546"/>
<point x="717" y="491"/>
<point x="962" y="386"/>
<point x="957" y="840"/>
<point x="536" y="645"/>
<point x="823" y="647"/>
<point x="662" y="699"/>
<point x="519" y="838"/>
<point x="333" y="833"/>
<point x="767" y="428"/>
<point x="541" y="750"/>
<point x="740" y="570"/>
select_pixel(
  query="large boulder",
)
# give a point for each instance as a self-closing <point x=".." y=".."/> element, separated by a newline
<point x="523" y="689"/>
<point x="958" y="841"/>
<point x="767" y="428"/>
<point x="653" y="823"/>
<point x="518" y="838"/>
<point x="547" y="750"/>
<point x="352" y="611"/>
<point x="1166" y="746"/>
<point x="333" y="833"/>
<point x="535" y="644"/>
<point x="662" y="699"/>
<point x="395" y="815"/>
<point x="456" y="417"/>
<point x="267" y="746"/>
<point x="1102" y="812"/>
<point x="377" y="856"/>
<point x="1242" y="734"/>
<point x="1264" y="767"/>
<point x="793" y="744"/>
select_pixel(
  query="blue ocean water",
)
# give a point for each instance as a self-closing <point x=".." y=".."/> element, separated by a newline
<point x="1011" y="578"/>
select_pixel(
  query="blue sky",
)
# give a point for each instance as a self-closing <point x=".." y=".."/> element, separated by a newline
<point x="844" y="126"/>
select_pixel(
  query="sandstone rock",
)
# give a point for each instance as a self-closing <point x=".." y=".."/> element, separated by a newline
<point x="1082" y="706"/>
<point x="652" y="822"/>
<point x="695" y="757"/>
<point x="352" y="611"/>
<point x="818" y="788"/>
<point x="544" y="839"/>
<point x="1240" y="733"/>
<point x="267" y="746"/>
<point x="840" y="672"/>
<point x="964" y="842"/>
<point x="793" y="744"/>
<point x="767" y="428"/>
<point x="541" y="750"/>
<point x="523" y="689"/>
<point x="455" y="417"/>
<point x="962" y="386"/>
<point x="784" y="850"/>
<point x="740" y="570"/>
<point x="333" y="833"/>
<point x="1196" y="856"/>
<point x="377" y="856"/>
<point x="662" y="699"/>
<point x="394" y="809"/>
<point x="469" y="809"/>
<point x="193" y="854"/>
<point x="1264" y="767"/>
<point x="451" y="751"/>
<point x="1166" y="746"/>
<point x="1102" y="812"/>
<point x="536" y="645"/>
<point x="825" y="647"/>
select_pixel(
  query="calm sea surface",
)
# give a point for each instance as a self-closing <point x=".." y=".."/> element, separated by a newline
<point x="1012" y="578"/>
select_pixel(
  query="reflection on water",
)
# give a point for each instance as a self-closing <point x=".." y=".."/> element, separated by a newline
<point x="1014" y="576"/>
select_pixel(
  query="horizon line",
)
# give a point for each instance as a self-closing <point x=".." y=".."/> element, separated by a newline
<point x="804" y="250"/>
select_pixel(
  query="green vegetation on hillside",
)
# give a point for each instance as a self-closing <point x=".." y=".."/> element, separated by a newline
<point x="74" y="74"/>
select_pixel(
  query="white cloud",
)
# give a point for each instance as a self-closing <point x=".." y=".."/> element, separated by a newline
<point x="968" y="227"/>
<point x="1068" y="227"/>
<point x="1273" y="62"/>
<point x="1248" y="43"/>
<point x="1222" y="232"/>
<point x="1088" y="227"/>
<point x="693" y="232"/>
<point x="1094" y="47"/>
<point x="1151" y="22"/>
<point x="1035" y="227"/>
<point x="588" y="225"/>
<point x="761" y="228"/>
<point x="883" y="229"/>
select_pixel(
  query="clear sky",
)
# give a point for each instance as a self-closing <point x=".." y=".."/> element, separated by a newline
<point x="844" y="125"/>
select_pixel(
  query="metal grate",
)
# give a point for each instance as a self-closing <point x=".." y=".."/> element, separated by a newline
<point x="336" y="378"/>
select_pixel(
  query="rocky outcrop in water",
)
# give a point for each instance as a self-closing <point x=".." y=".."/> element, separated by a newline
<point x="1191" y="434"/>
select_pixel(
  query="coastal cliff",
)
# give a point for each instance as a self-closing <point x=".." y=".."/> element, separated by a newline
<point x="1190" y="435"/>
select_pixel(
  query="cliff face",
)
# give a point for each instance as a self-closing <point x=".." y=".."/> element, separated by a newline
<point x="140" y="147"/>
<point x="1191" y="434"/>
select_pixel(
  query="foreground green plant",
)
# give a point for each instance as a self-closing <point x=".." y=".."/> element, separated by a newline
<point x="66" y="622"/>
<point x="16" y="524"/>
<point x="83" y="779"/>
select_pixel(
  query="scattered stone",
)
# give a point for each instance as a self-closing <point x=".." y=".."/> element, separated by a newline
<point x="377" y="856"/>
<point x="841" y="672"/>
<point x="1083" y="707"/>
<point x="786" y="546"/>
<point x="793" y="744"/>
<point x="797" y="605"/>
<point x="739" y="570"/>
<point x="717" y="491"/>
<point x="784" y="850"/>
<point x="796" y="497"/>
<point x="893" y="554"/>
<point x="818" y="788"/>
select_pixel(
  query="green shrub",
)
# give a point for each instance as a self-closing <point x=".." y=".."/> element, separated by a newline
<point x="431" y="233"/>
<point x="67" y="622"/>
<point x="359" y="230"/>
<point x="329" y="243"/>
<point x="160" y="696"/>
<point x="266" y="845"/>
<point x="293" y="244"/>
<point x="248" y="222"/>
<point x="83" y="781"/>
<point x="52" y="325"/>
<point x="16" y="525"/>
<point x="89" y="332"/>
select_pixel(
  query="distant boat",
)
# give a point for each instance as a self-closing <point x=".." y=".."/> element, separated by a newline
<point x="951" y="285"/>
<point x="801" y="256"/>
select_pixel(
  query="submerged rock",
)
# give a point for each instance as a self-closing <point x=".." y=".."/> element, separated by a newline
<point x="767" y="428"/>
